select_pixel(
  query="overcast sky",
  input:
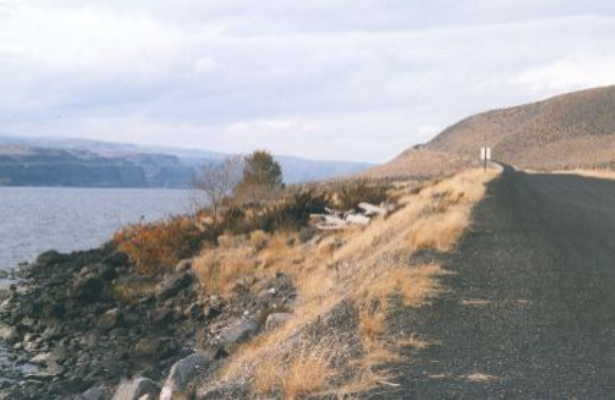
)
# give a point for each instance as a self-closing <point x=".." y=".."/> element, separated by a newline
<point x="325" y="79"/>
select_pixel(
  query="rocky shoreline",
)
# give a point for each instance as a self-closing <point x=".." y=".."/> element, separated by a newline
<point x="85" y="326"/>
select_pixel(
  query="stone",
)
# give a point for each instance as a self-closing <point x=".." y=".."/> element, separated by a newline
<point x="109" y="319"/>
<point x="88" y="287"/>
<point x="154" y="347"/>
<point x="184" y="265"/>
<point x="173" y="284"/>
<point x="238" y="332"/>
<point x="95" y="393"/>
<point x="8" y="333"/>
<point x="136" y="389"/>
<point x="276" y="319"/>
<point x="183" y="373"/>
<point x="41" y="358"/>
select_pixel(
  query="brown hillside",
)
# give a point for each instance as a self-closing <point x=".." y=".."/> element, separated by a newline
<point x="420" y="163"/>
<point x="574" y="130"/>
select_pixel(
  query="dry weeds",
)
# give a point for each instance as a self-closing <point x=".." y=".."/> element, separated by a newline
<point x="367" y="267"/>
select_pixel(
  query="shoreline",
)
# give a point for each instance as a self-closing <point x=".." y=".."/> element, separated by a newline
<point x="68" y="329"/>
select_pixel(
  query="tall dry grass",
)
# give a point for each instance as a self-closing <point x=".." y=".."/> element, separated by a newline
<point x="365" y="267"/>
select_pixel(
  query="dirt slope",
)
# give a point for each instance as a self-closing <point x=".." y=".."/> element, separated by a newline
<point x="572" y="128"/>
<point x="567" y="131"/>
<point x="529" y="314"/>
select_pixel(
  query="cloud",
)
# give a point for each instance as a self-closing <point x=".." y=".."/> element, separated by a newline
<point x="343" y="79"/>
<point x="569" y="74"/>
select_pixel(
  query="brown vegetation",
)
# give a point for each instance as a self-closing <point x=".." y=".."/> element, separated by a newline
<point x="157" y="247"/>
<point x="361" y="271"/>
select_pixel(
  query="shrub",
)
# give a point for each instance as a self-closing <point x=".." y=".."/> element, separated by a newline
<point x="348" y="195"/>
<point x="156" y="247"/>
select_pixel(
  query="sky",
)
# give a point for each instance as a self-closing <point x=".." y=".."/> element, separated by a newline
<point x="325" y="79"/>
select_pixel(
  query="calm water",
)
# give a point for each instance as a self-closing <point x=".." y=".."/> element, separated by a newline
<point x="33" y="220"/>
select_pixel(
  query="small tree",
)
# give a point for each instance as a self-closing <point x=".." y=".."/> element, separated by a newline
<point x="262" y="177"/>
<point x="261" y="169"/>
<point x="218" y="180"/>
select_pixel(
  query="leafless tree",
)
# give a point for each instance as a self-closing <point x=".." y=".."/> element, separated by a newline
<point x="217" y="180"/>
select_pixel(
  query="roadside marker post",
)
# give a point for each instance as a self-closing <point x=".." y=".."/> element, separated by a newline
<point x="485" y="155"/>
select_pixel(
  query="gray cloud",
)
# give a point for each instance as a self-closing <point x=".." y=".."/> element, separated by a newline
<point x="329" y="79"/>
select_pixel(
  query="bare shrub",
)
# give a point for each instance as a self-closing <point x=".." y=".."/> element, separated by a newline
<point x="217" y="181"/>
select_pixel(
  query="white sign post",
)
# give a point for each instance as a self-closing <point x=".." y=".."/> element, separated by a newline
<point x="485" y="155"/>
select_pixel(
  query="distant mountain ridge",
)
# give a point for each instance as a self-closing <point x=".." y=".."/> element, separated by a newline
<point x="90" y="163"/>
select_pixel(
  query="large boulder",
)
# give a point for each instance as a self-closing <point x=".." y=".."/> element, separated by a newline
<point x="136" y="389"/>
<point x="182" y="374"/>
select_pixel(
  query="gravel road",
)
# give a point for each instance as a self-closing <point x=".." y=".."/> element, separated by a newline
<point x="531" y="310"/>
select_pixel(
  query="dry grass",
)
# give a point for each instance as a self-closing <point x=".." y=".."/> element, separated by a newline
<point x="365" y="267"/>
<point x="308" y="371"/>
<point x="414" y="342"/>
<point x="218" y="270"/>
<point x="415" y="285"/>
<point x="590" y="173"/>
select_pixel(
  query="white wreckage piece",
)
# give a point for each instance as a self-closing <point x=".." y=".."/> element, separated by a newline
<point x="336" y="220"/>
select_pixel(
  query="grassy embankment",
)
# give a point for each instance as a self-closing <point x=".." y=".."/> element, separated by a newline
<point x="337" y="341"/>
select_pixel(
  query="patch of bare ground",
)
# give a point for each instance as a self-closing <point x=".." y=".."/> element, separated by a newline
<point x="338" y="343"/>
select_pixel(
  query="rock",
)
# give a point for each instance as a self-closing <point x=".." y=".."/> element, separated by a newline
<point x="87" y="287"/>
<point x="172" y="284"/>
<point x="276" y="319"/>
<point x="51" y="332"/>
<point x="109" y="319"/>
<point x="41" y="358"/>
<point x="154" y="347"/>
<point x="8" y="333"/>
<point x="182" y="374"/>
<point x="136" y="389"/>
<point x="229" y="391"/>
<point x="95" y="393"/>
<point x="184" y="265"/>
<point x="236" y="333"/>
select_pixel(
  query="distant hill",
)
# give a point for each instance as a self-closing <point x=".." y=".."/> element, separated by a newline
<point x="89" y="163"/>
<point x="567" y="131"/>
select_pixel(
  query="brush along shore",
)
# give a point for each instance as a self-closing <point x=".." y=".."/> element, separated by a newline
<point x="264" y="305"/>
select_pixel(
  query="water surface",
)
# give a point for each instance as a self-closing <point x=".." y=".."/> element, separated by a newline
<point x="33" y="220"/>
